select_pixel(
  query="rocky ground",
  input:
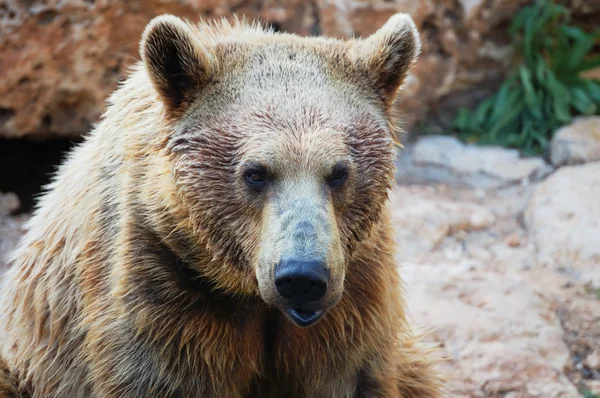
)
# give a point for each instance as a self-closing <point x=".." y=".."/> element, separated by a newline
<point x="501" y="261"/>
<point x="509" y="325"/>
<point x="500" y="257"/>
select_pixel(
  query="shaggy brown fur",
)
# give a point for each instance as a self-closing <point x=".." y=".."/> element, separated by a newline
<point x="8" y="386"/>
<point x="147" y="270"/>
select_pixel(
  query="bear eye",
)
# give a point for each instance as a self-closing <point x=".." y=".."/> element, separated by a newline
<point x="256" y="177"/>
<point x="338" y="175"/>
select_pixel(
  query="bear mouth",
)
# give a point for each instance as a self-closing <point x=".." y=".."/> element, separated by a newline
<point x="303" y="317"/>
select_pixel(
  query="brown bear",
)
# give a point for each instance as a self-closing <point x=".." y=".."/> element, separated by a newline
<point x="223" y="231"/>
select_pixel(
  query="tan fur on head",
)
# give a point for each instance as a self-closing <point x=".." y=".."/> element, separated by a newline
<point x="301" y="217"/>
<point x="148" y="266"/>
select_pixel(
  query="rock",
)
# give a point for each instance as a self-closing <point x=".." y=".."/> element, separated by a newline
<point x="422" y="224"/>
<point x="579" y="313"/>
<point x="513" y="240"/>
<point x="436" y="150"/>
<point x="500" y="335"/>
<point x="61" y="59"/>
<point x="578" y="142"/>
<point x="11" y="227"/>
<point x="563" y="219"/>
<point x="592" y="361"/>
<point x="9" y="203"/>
<point x="508" y="325"/>
<point x="446" y="159"/>
<point x="594" y="386"/>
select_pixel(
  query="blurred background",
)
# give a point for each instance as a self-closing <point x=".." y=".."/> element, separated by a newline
<point x="497" y="207"/>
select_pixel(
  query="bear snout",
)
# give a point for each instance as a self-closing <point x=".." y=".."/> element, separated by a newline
<point x="300" y="285"/>
<point x="301" y="282"/>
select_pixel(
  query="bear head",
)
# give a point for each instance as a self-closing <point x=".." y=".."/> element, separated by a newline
<point x="281" y="148"/>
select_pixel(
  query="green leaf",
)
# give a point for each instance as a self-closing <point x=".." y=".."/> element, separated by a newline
<point x="540" y="69"/>
<point x="530" y="96"/>
<point x="580" y="46"/>
<point x="582" y="102"/>
<point x="503" y="101"/>
<point x="593" y="89"/>
<point x="591" y="63"/>
<point x="518" y="22"/>
<point x="560" y="106"/>
<point x="463" y="120"/>
<point x="556" y="88"/>
<point x="509" y="116"/>
<point x="528" y="34"/>
<point x="480" y="116"/>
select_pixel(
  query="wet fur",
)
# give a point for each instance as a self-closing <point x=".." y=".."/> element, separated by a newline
<point x="130" y="283"/>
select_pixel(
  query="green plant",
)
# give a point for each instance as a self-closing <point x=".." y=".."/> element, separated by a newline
<point x="544" y="90"/>
<point x="595" y="291"/>
<point x="588" y="394"/>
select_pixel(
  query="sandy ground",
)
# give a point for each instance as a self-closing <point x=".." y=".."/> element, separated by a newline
<point x="509" y="326"/>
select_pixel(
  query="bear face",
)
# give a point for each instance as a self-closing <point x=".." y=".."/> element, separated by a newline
<point x="281" y="149"/>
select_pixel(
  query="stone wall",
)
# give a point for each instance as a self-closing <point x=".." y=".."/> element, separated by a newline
<point x="60" y="59"/>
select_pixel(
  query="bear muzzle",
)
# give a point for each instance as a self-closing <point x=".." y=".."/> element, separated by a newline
<point x="301" y="284"/>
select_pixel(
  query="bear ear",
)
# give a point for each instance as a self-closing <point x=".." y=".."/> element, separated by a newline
<point x="176" y="61"/>
<point x="386" y="56"/>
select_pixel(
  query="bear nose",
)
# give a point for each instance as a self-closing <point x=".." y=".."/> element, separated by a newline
<point x="301" y="281"/>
